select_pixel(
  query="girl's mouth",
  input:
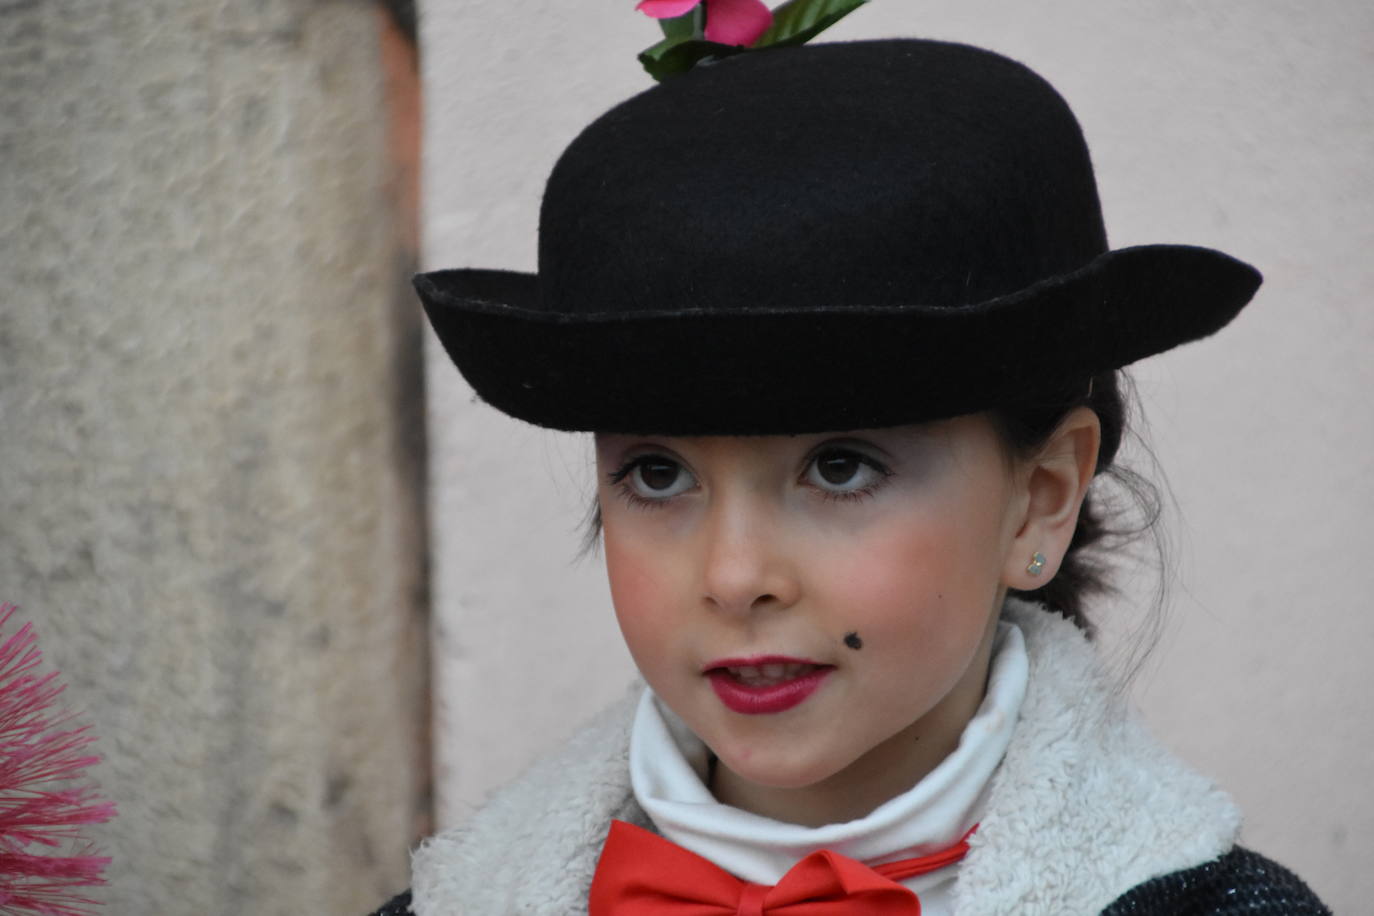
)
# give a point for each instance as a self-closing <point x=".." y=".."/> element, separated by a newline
<point x="769" y="675"/>
<point x="755" y="686"/>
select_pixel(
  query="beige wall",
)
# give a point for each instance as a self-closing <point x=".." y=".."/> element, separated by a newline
<point x="209" y="449"/>
<point x="1243" y="125"/>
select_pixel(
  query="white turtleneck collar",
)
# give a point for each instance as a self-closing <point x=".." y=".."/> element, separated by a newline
<point x="668" y="767"/>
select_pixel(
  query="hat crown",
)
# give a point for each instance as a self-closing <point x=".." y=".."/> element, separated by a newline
<point x="868" y="173"/>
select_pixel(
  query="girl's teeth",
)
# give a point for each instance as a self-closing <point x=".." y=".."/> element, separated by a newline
<point x="769" y="674"/>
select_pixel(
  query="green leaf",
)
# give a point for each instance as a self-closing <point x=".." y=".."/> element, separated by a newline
<point x="691" y="24"/>
<point x="798" y="21"/>
<point x="678" y="55"/>
<point x="794" y="22"/>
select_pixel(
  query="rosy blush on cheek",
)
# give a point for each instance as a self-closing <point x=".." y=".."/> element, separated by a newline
<point x="644" y="596"/>
<point x="632" y="584"/>
<point x="887" y="569"/>
<point x="916" y="589"/>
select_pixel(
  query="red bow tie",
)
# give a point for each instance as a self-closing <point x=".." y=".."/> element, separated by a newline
<point x="642" y="874"/>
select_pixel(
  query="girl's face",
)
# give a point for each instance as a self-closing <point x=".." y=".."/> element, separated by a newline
<point x="817" y="608"/>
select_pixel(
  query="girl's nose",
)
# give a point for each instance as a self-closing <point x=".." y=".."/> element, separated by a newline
<point x="747" y="565"/>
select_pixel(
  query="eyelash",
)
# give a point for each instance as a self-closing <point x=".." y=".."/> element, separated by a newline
<point x="617" y="478"/>
<point x="633" y="499"/>
<point x="861" y="493"/>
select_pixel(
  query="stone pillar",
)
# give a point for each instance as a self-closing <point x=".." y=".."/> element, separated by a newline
<point x="210" y="446"/>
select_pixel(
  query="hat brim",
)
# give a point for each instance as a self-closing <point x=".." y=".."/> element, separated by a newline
<point x="779" y="371"/>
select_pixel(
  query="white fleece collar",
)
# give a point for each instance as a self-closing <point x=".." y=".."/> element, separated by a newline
<point x="1084" y="806"/>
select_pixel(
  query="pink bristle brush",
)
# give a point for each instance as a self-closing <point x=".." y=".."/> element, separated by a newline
<point x="44" y="803"/>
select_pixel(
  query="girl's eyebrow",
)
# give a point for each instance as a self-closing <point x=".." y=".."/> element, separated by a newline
<point x="634" y="443"/>
<point x="617" y="455"/>
<point x="890" y="441"/>
<point x="853" y="440"/>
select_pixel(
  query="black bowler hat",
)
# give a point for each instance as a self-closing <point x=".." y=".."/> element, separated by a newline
<point x="830" y="237"/>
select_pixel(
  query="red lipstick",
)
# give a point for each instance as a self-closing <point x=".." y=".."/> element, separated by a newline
<point x="763" y="684"/>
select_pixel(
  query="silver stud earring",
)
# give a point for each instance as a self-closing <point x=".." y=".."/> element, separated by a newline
<point x="1037" y="564"/>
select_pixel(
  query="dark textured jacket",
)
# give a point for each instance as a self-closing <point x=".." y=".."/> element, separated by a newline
<point x="1086" y="814"/>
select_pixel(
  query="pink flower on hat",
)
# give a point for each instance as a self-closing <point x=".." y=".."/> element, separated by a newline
<point x="730" y="22"/>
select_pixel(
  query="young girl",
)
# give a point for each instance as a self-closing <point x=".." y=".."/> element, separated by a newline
<point x="844" y="321"/>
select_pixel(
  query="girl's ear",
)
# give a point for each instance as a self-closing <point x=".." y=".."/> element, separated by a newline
<point x="1055" y="481"/>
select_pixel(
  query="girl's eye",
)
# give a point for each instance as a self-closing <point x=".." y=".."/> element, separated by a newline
<point x="843" y="472"/>
<point x="653" y="478"/>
